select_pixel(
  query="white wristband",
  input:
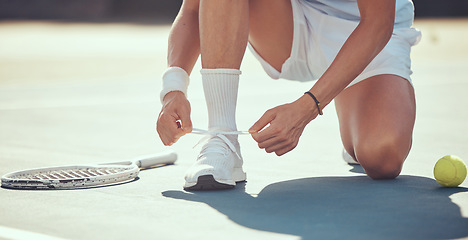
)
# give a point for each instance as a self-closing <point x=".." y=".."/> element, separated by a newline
<point x="174" y="79"/>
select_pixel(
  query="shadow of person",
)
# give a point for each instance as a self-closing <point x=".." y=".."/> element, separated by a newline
<point x="356" y="168"/>
<point x="408" y="207"/>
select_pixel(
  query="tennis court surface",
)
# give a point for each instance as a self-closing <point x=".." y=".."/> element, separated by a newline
<point x="73" y="93"/>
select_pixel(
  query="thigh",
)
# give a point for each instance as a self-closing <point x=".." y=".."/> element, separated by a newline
<point x="379" y="109"/>
<point x="271" y="30"/>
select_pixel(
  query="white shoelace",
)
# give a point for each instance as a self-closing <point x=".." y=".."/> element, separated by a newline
<point x="221" y="135"/>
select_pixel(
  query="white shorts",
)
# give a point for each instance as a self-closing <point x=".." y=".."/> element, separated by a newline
<point x="318" y="37"/>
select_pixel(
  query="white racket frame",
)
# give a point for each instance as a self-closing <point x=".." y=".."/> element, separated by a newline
<point x="126" y="171"/>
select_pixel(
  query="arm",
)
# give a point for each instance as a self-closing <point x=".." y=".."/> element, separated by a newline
<point x="184" y="38"/>
<point x="183" y="51"/>
<point x="288" y="121"/>
<point x="366" y="41"/>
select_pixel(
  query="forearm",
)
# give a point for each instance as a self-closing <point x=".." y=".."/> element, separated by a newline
<point x="366" y="41"/>
<point x="184" y="39"/>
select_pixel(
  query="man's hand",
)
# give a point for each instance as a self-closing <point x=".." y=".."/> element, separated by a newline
<point x="286" y="124"/>
<point x="174" y="118"/>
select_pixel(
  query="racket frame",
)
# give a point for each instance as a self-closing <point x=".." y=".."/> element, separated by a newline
<point x="124" y="172"/>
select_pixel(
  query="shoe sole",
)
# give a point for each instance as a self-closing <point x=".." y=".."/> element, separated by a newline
<point x="208" y="183"/>
<point x="348" y="159"/>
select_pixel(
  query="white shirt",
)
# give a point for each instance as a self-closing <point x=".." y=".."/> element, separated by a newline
<point x="348" y="9"/>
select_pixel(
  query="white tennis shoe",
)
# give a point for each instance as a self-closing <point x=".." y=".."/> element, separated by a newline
<point x="348" y="159"/>
<point x="219" y="165"/>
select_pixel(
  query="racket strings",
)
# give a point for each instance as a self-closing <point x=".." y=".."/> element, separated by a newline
<point x="70" y="174"/>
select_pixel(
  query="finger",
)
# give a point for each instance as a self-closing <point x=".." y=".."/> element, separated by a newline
<point x="168" y="129"/>
<point x="162" y="133"/>
<point x="186" y="123"/>
<point x="281" y="148"/>
<point x="262" y="122"/>
<point x="173" y="137"/>
<point x="167" y="137"/>
<point x="285" y="150"/>
<point x="270" y="143"/>
<point x="270" y="132"/>
<point x="175" y="132"/>
<point x="179" y="133"/>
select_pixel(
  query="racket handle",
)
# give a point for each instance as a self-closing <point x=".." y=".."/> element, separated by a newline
<point x="168" y="157"/>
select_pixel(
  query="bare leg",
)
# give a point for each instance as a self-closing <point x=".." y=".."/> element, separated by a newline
<point x="224" y="30"/>
<point x="376" y="119"/>
<point x="271" y="30"/>
<point x="222" y="27"/>
<point x="225" y="26"/>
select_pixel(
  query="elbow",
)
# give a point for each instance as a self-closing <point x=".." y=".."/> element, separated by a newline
<point x="384" y="27"/>
<point x="382" y="36"/>
<point x="380" y="30"/>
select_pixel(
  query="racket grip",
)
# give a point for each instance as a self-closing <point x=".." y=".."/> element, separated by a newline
<point x="168" y="157"/>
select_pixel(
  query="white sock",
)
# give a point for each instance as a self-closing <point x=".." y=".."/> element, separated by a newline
<point x="221" y="86"/>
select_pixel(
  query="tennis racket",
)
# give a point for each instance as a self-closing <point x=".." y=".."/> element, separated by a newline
<point x="84" y="176"/>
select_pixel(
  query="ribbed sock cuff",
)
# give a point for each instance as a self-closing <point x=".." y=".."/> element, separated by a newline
<point x="221" y="87"/>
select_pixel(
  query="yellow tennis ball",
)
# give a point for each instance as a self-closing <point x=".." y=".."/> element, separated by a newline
<point x="450" y="171"/>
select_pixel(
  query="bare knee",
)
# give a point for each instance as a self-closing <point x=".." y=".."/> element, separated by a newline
<point x="382" y="159"/>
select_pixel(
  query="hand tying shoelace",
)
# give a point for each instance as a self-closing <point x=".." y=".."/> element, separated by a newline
<point x="221" y="135"/>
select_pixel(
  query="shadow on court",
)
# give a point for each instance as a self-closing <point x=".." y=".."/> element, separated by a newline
<point x="409" y="207"/>
<point x="356" y="168"/>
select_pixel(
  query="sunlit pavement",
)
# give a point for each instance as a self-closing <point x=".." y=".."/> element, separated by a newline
<point x="75" y="93"/>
